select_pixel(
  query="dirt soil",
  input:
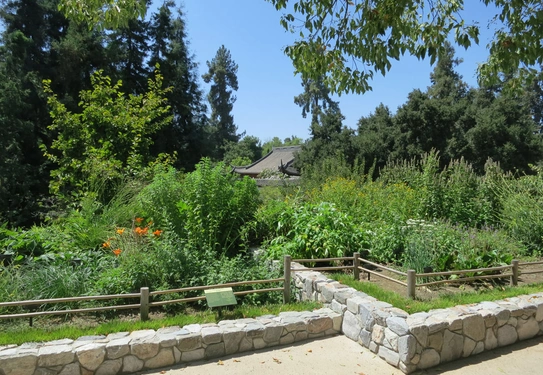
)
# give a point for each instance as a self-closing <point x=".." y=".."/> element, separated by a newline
<point x="427" y="293"/>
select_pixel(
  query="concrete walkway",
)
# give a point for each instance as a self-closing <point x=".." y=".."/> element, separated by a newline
<point x="340" y="355"/>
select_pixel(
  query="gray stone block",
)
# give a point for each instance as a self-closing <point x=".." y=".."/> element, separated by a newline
<point x="453" y="345"/>
<point x="109" y="367"/>
<point x="91" y="356"/>
<point x="20" y="364"/>
<point x="162" y="359"/>
<point x="193" y="355"/>
<point x="118" y="348"/>
<point x="428" y="358"/>
<point x="211" y="335"/>
<point x="350" y="326"/>
<point x="474" y="327"/>
<point x="189" y="342"/>
<point x="407" y="346"/>
<point x="388" y="355"/>
<point x="507" y="335"/>
<point x="49" y="356"/>
<point x="132" y="364"/>
<point x="527" y="328"/>
<point x="398" y="325"/>
<point x="215" y="350"/>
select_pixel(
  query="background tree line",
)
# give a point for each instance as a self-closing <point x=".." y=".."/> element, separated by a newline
<point x="39" y="44"/>
<point x="457" y="121"/>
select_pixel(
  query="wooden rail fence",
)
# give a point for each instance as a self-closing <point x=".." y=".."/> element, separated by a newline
<point x="145" y="297"/>
<point x="358" y="265"/>
<point x="411" y="276"/>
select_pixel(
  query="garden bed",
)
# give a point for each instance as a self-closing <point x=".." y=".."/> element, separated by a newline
<point x="429" y="293"/>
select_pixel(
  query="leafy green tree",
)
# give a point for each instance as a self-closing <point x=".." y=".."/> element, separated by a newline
<point x="534" y="97"/>
<point x="348" y="41"/>
<point x="127" y="49"/>
<point x="277" y="142"/>
<point x="504" y="131"/>
<point x="428" y="120"/>
<point x="109" y="139"/>
<point x="19" y="192"/>
<point x="186" y="134"/>
<point x="104" y="13"/>
<point x="330" y="139"/>
<point x="377" y="136"/>
<point x="27" y="55"/>
<point x="244" y="152"/>
<point x="222" y="72"/>
<point x="315" y="100"/>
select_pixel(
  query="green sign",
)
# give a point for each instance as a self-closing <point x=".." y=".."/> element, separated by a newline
<point x="220" y="297"/>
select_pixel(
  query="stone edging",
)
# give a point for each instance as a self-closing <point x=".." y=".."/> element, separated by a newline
<point x="125" y="352"/>
<point x="423" y="340"/>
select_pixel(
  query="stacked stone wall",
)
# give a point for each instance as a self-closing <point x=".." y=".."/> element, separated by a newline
<point x="127" y="353"/>
<point x="422" y="340"/>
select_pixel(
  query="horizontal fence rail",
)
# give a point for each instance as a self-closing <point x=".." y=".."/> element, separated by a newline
<point x="144" y="296"/>
<point x="371" y="272"/>
<point x="358" y="265"/>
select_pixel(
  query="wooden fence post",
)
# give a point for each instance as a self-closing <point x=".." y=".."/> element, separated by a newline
<point x="514" y="271"/>
<point x="286" y="290"/>
<point x="144" y="303"/>
<point x="356" y="264"/>
<point x="411" y="283"/>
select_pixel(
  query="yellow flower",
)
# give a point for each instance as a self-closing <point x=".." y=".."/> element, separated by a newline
<point x="105" y="245"/>
<point x="120" y="231"/>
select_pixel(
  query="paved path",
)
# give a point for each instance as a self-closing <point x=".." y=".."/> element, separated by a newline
<point x="340" y="355"/>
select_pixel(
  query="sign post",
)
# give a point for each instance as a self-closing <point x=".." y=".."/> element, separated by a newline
<point x="220" y="297"/>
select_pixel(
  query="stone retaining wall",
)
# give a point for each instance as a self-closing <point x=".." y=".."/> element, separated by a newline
<point x="128" y="353"/>
<point x="423" y="340"/>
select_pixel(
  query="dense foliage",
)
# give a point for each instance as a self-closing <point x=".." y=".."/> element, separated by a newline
<point x="458" y="121"/>
<point x="348" y="41"/>
<point x="450" y="181"/>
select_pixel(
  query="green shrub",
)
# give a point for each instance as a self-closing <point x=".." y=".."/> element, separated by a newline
<point x="522" y="210"/>
<point x="316" y="231"/>
<point x="44" y="280"/>
<point x="444" y="247"/>
<point x="158" y="200"/>
<point x="486" y="247"/>
<point x="216" y="206"/>
<point x="11" y="286"/>
<point x="385" y="240"/>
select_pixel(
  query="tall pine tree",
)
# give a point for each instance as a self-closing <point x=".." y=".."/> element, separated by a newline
<point x="186" y="134"/>
<point x="222" y="74"/>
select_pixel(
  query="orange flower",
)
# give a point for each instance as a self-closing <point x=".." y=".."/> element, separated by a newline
<point x="138" y="220"/>
<point x="141" y="231"/>
<point x="120" y="231"/>
<point x="105" y="245"/>
<point x="157" y="232"/>
<point x="117" y="252"/>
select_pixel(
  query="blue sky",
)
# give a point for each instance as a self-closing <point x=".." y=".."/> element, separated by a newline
<point x="265" y="106"/>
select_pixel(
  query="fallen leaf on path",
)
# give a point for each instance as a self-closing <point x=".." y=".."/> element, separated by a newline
<point x="236" y="360"/>
<point x="162" y="372"/>
<point x="276" y="360"/>
<point x="310" y="351"/>
<point x="220" y="363"/>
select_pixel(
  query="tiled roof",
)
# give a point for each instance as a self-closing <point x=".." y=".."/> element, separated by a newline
<point x="272" y="161"/>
